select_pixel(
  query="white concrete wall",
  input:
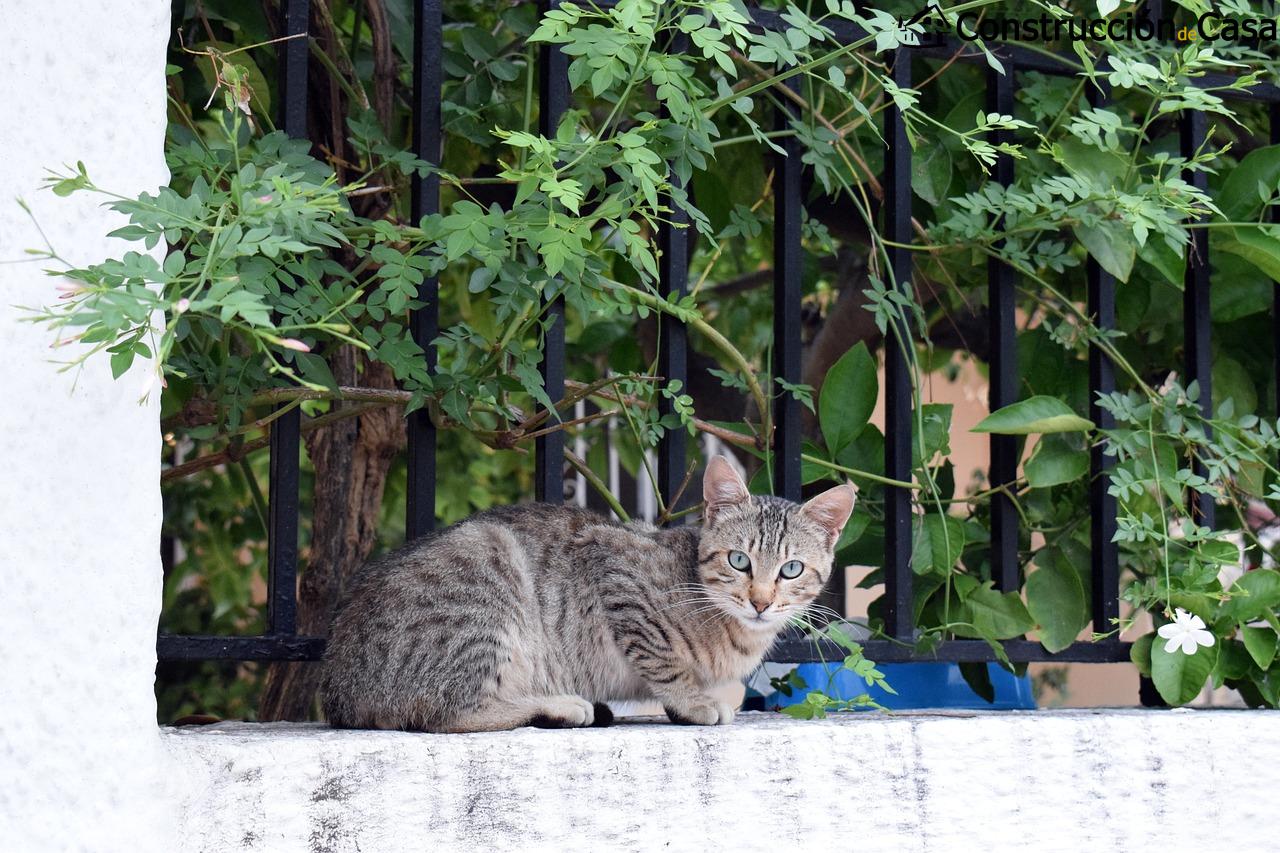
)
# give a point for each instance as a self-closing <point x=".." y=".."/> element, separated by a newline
<point x="81" y="765"/>
<point x="1046" y="781"/>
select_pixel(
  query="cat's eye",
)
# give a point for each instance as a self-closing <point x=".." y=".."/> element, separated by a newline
<point x="791" y="569"/>
<point x="739" y="561"/>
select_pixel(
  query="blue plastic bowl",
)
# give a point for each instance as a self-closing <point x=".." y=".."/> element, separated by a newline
<point x="919" y="685"/>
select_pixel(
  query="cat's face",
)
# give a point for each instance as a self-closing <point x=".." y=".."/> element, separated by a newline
<point x="763" y="560"/>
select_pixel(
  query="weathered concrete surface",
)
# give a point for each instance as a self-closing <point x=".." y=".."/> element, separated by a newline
<point x="81" y="764"/>
<point x="1047" y="781"/>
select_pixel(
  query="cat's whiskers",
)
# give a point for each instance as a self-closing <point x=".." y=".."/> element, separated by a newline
<point x="712" y="607"/>
<point x="825" y="616"/>
<point x="718" y="614"/>
<point x="702" y="596"/>
<point x="688" y="587"/>
<point x="684" y="602"/>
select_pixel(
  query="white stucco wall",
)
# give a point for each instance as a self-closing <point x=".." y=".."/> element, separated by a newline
<point x="81" y="763"/>
<point x="1046" y="781"/>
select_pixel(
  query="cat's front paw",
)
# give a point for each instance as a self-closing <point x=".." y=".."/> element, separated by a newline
<point x="563" y="712"/>
<point x="705" y="713"/>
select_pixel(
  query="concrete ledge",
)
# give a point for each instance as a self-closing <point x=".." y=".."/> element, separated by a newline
<point x="1046" y="780"/>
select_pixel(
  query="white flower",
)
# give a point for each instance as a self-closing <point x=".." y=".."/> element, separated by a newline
<point x="1185" y="631"/>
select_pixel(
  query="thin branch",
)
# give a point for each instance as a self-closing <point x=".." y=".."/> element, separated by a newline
<point x="236" y="453"/>
<point x="787" y="92"/>
<point x="596" y="483"/>
<point x="369" y="399"/>
<point x="667" y="511"/>
<point x="725" y="435"/>
<point x="585" y="419"/>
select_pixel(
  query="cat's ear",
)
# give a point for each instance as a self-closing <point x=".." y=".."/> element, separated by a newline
<point x="721" y="488"/>
<point x="831" y="509"/>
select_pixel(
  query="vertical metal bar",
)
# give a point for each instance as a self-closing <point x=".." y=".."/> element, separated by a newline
<point x="624" y="486"/>
<point x="672" y="353"/>
<point x="1105" y="555"/>
<point x="553" y="100"/>
<point x="1155" y="13"/>
<point x="1147" y="693"/>
<point x="428" y="34"/>
<point x="292" y="63"/>
<point x="897" y="376"/>
<point x="1195" y="302"/>
<point x="673" y="344"/>
<point x="1003" y="358"/>
<point x="282" y="490"/>
<point x="1274" y="112"/>
<point x="787" y="270"/>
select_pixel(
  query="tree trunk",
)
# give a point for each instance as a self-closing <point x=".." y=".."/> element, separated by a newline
<point x="351" y="461"/>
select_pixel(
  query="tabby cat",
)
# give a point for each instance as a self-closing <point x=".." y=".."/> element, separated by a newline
<point x="539" y="614"/>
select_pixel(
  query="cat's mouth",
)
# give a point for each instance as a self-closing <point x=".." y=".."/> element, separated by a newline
<point x="748" y="616"/>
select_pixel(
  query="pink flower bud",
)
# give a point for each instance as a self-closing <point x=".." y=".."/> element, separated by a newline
<point x="264" y="199"/>
<point x="62" y="342"/>
<point x="69" y="289"/>
<point x="183" y="305"/>
<point x="295" y="344"/>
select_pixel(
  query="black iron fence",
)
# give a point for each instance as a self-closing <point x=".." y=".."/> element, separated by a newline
<point x="281" y="641"/>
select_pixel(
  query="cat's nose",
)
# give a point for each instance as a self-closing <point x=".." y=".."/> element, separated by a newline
<point x="760" y="606"/>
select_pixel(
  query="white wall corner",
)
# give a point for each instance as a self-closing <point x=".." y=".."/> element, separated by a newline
<point x="83" y="765"/>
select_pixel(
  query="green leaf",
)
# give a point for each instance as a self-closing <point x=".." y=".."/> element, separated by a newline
<point x="1259" y="246"/>
<point x="848" y="395"/>
<point x="938" y="542"/>
<point x="1105" y="168"/>
<point x="1055" y="599"/>
<point x="1140" y="654"/>
<point x="799" y="711"/>
<point x="1233" y="662"/>
<point x="480" y="279"/>
<point x="931" y="174"/>
<point x="997" y="615"/>
<point x="853" y="530"/>
<point x="1238" y="199"/>
<point x="1165" y="260"/>
<point x="1179" y="677"/>
<point x="174" y="263"/>
<point x="1111" y="244"/>
<point x="532" y="382"/>
<point x="120" y="361"/>
<point x="1034" y="415"/>
<point x="1056" y="460"/>
<point x="978" y="677"/>
<point x="1231" y="381"/>
<point x="1261" y="645"/>
<point x="931" y="433"/>
<point x="1254" y="595"/>
<point x="315" y="369"/>
<point x="1250" y="291"/>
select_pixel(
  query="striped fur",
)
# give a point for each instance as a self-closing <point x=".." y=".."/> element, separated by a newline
<point x="537" y="614"/>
